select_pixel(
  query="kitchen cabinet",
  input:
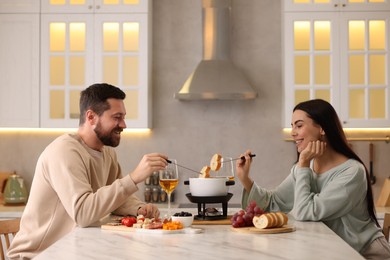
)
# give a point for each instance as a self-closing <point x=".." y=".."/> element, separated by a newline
<point x="53" y="49"/>
<point x="19" y="6"/>
<point x="95" y="6"/>
<point x="19" y="63"/>
<point x="340" y="55"/>
<point x="84" y="42"/>
<point x="335" y="5"/>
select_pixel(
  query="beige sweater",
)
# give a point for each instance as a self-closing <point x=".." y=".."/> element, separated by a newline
<point x="73" y="186"/>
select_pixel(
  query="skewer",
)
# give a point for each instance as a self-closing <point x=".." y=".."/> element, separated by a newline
<point x="242" y="158"/>
<point x="169" y="161"/>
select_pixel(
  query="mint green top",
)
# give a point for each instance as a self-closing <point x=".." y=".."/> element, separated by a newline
<point x="336" y="197"/>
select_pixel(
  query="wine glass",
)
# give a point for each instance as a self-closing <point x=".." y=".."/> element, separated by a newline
<point x="227" y="168"/>
<point x="169" y="179"/>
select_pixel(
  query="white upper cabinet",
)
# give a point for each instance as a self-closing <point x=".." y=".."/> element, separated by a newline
<point x="19" y="63"/>
<point x="341" y="57"/>
<point x="96" y="6"/>
<point x="78" y="50"/>
<point x="364" y="64"/>
<point x="19" y="6"/>
<point x="335" y="5"/>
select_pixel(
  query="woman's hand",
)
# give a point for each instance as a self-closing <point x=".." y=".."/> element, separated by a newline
<point x="149" y="164"/>
<point x="313" y="149"/>
<point x="242" y="170"/>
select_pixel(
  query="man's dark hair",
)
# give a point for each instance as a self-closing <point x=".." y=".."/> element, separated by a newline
<point x="95" y="98"/>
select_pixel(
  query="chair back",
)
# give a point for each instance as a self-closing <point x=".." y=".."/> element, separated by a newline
<point x="386" y="225"/>
<point x="8" y="229"/>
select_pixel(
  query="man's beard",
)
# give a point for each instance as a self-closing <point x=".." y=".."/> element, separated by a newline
<point x="109" y="139"/>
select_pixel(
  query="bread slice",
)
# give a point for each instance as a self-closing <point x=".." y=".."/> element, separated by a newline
<point x="282" y="217"/>
<point x="270" y="220"/>
<point x="262" y="221"/>
<point x="215" y="163"/>
<point x="275" y="219"/>
<point x="205" y="172"/>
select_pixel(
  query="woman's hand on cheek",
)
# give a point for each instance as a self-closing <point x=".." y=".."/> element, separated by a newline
<point x="313" y="149"/>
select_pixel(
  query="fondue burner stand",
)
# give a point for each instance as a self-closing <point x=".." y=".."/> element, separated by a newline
<point x="201" y="201"/>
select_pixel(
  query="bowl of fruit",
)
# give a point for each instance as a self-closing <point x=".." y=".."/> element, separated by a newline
<point x="186" y="218"/>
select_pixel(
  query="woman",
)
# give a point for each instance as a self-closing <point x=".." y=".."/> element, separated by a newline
<point x="328" y="183"/>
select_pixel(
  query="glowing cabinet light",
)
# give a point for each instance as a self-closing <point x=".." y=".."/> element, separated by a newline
<point x="85" y="43"/>
<point x="338" y="51"/>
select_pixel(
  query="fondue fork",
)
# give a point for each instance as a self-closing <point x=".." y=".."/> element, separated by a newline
<point x="242" y="158"/>
<point x="169" y="161"/>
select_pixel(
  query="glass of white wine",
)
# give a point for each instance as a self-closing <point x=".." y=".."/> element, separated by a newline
<point x="227" y="168"/>
<point x="169" y="179"/>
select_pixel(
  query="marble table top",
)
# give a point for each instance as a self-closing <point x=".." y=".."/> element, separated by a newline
<point x="311" y="240"/>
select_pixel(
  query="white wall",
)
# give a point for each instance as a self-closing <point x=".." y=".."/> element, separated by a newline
<point x="193" y="131"/>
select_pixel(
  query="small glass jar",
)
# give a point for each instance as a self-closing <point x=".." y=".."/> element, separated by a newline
<point x="148" y="194"/>
<point x="155" y="194"/>
<point x="163" y="195"/>
<point x="155" y="180"/>
<point x="173" y="196"/>
<point x="148" y="181"/>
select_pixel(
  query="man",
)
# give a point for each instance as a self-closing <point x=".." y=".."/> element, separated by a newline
<point x="78" y="179"/>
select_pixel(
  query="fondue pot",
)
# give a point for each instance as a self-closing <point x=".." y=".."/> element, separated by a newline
<point x="209" y="187"/>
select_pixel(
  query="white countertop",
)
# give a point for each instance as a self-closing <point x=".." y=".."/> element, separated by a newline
<point x="10" y="211"/>
<point x="310" y="240"/>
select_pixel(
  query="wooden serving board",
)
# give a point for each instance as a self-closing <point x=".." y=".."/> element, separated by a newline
<point x="212" y="222"/>
<point x="151" y="231"/>
<point x="254" y="230"/>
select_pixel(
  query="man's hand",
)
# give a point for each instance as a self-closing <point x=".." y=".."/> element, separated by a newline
<point x="150" y="163"/>
<point x="149" y="211"/>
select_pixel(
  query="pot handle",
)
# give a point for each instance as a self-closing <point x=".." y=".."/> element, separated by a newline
<point x="230" y="183"/>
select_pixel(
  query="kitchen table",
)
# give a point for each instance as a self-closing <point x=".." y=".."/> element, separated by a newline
<point x="311" y="240"/>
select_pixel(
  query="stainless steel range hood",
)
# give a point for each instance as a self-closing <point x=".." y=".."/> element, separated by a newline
<point x="216" y="77"/>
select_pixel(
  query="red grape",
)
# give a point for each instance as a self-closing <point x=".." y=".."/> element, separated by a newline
<point x="249" y="209"/>
<point x="248" y="217"/>
<point x="235" y="225"/>
<point x="258" y="211"/>
<point x="240" y="220"/>
<point x="244" y="218"/>
<point x="253" y="204"/>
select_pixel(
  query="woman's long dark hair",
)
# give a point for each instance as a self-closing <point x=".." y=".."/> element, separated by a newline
<point x="323" y="114"/>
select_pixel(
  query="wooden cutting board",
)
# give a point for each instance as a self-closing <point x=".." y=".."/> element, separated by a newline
<point x="151" y="231"/>
<point x="254" y="230"/>
<point x="212" y="222"/>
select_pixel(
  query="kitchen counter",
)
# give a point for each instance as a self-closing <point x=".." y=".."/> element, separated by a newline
<point x="380" y="211"/>
<point x="310" y="240"/>
<point x="10" y="211"/>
